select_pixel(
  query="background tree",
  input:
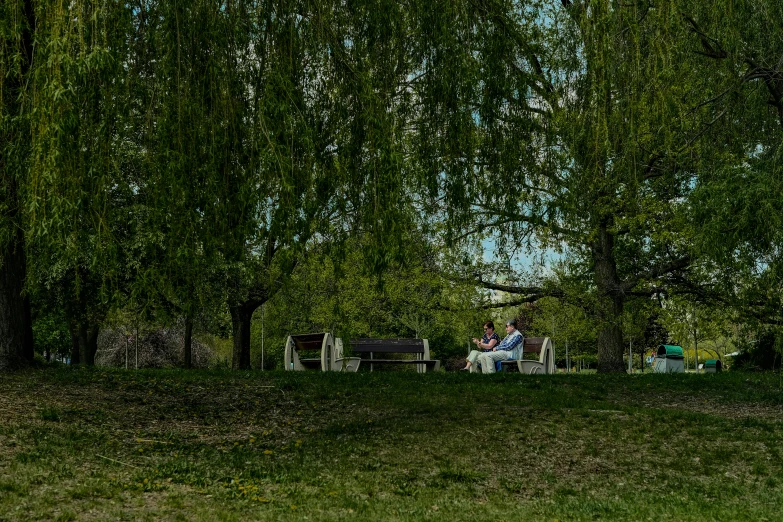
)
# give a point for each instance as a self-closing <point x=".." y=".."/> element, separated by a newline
<point x="79" y="195"/>
<point x="737" y="202"/>
<point x="694" y="325"/>
<point x="342" y="295"/>
<point x="581" y="136"/>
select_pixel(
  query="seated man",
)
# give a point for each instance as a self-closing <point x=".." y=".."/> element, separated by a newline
<point x="507" y="348"/>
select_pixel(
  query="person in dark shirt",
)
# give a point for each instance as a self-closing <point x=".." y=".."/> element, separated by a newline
<point x="486" y="344"/>
<point x="509" y="348"/>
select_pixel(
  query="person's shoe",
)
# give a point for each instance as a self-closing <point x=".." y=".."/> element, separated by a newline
<point x="464" y="369"/>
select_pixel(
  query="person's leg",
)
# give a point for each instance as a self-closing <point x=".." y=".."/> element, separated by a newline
<point x="472" y="360"/>
<point x="485" y="362"/>
<point x="488" y="359"/>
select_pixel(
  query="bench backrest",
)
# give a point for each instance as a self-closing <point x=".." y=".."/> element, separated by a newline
<point x="387" y="346"/>
<point x="533" y="344"/>
<point x="322" y="342"/>
<point x="308" y="341"/>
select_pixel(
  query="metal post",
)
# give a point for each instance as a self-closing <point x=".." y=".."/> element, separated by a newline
<point x="137" y="345"/>
<point x="568" y="361"/>
<point x="553" y="344"/>
<point x="126" y="351"/>
<point x="630" y="357"/>
<point x="262" y="337"/>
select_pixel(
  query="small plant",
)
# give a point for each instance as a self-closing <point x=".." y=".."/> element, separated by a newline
<point x="50" y="414"/>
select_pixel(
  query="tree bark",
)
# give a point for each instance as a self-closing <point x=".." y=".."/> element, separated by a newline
<point x="16" y="333"/>
<point x="28" y="343"/>
<point x="187" y="357"/>
<point x="15" y="327"/>
<point x="76" y="359"/>
<point x="84" y="343"/>
<point x="241" y="318"/>
<point x="611" y="303"/>
<point x="89" y="345"/>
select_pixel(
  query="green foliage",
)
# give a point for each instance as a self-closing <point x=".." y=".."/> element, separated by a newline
<point x="411" y="300"/>
<point x="763" y="353"/>
<point x="736" y="201"/>
<point x="705" y="332"/>
<point x="50" y="330"/>
<point x="169" y="159"/>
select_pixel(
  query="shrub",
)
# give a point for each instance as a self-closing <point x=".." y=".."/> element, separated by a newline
<point x="160" y="348"/>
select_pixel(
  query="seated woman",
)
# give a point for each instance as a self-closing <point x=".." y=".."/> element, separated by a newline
<point x="487" y="344"/>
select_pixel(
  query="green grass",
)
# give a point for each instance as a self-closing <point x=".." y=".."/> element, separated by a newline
<point x="223" y="446"/>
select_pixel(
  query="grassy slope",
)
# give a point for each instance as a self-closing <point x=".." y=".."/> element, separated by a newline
<point x="95" y="445"/>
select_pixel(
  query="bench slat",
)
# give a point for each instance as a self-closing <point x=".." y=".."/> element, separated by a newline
<point x="308" y="346"/>
<point x="400" y="361"/>
<point x="387" y="345"/>
<point x="533" y="344"/>
<point x="309" y="337"/>
<point x="308" y="341"/>
<point x="374" y="348"/>
<point x="388" y="342"/>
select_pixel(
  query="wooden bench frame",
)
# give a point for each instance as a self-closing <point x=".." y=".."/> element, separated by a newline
<point x="546" y="360"/>
<point x="419" y="347"/>
<point x="331" y="349"/>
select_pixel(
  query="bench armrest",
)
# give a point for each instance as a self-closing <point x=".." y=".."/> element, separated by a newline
<point x="531" y="367"/>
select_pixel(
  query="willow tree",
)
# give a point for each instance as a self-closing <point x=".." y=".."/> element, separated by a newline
<point x="78" y="191"/>
<point x="17" y="29"/>
<point x="272" y="130"/>
<point x="738" y="203"/>
<point x="248" y="131"/>
<point x="574" y="127"/>
<point x="173" y="139"/>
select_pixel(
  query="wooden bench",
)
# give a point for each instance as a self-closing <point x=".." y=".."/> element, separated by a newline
<point x="538" y="345"/>
<point x="418" y="347"/>
<point x="330" y="349"/>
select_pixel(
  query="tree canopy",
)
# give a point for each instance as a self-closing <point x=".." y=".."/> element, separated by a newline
<point x="175" y="156"/>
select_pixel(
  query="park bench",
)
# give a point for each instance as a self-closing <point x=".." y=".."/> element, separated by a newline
<point x="420" y="348"/>
<point x="329" y="348"/>
<point x="546" y="357"/>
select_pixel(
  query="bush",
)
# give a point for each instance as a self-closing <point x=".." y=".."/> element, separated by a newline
<point x="161" y="348"/>
<point x="761" y="355"/>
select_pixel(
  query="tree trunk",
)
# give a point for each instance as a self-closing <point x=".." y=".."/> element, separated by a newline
<point x="241" y="317"/>
<point x="90" y="345"/>
<point x="16" y="329"/>
<point x="611" y="303"/>
<point x="84" y="343"/>
<point x="187" y="359"/>
<point x="76" y="359"/>
<point x="28" y="344"/>
<point x="11" y="310"/>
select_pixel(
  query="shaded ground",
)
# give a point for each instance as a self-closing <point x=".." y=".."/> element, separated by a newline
<point x="169" y="445"/>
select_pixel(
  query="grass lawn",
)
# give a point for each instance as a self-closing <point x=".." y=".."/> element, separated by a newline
<point x="172" y="445"/>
